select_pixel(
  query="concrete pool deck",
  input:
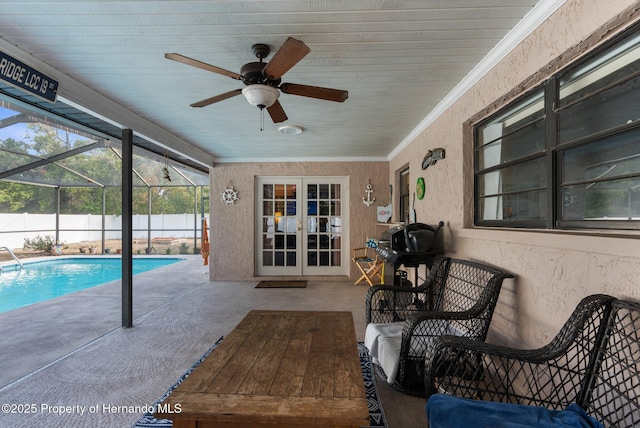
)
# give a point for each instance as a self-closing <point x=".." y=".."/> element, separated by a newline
<point x="71" y="351"/>
<point x="43" y="332"/>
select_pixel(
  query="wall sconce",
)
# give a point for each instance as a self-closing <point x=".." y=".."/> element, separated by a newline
<point x="432" y="157"/>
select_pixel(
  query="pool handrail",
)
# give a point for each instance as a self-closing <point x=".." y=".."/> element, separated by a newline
<point x="12" y="255"/>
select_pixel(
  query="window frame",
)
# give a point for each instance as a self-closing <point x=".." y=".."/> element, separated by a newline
<point x="554" y="150"/>
<point x="404" y="199"/>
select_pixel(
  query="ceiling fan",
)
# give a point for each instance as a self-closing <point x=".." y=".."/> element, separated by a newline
<point x="263" y="80"/>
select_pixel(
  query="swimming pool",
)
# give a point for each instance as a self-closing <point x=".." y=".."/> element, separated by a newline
<point x="44" y="280"/>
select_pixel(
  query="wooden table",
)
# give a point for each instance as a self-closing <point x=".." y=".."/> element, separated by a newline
<point x="277" y="369"/>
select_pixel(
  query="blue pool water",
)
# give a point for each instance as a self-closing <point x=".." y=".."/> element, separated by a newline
<point x="45" y="280"/>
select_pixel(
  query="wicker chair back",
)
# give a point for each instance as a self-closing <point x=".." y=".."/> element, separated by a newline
<point x="593" y="361"/>
<point x="458" y="297"/>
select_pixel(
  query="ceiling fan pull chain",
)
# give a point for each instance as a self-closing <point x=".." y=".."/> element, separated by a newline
<point x="261" y="119"/>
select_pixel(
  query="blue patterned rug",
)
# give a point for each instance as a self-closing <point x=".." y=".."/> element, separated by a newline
<point x="376" y="414"/>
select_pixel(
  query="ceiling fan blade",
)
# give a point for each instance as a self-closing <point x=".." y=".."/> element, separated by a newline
<point x="217" y="98"/>
<point x="287" y="56"/>
<point x="203" y="65"/>
<point x="277" y="112"/>
<point x="328" y="94"/>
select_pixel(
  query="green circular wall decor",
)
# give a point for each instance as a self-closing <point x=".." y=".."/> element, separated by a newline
<point x="420" y="188"/>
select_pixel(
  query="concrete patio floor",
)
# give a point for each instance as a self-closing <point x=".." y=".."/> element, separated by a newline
<point x="71" y="351"/>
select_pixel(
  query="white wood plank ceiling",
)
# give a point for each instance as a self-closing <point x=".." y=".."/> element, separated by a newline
<point x="398" y="59"/>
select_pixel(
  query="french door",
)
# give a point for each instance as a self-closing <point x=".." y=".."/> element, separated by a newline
<point x="300" y="224"/>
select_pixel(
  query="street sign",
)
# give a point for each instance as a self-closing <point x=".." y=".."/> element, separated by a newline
<point x="24" y="77"/>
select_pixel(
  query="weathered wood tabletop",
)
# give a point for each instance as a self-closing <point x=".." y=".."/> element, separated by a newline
<point x="277" y="368"/>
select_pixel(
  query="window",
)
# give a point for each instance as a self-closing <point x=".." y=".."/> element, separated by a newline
<point x="510" y="153"/>
<point x="567" y="154"/>
<point x="403" y="210"/>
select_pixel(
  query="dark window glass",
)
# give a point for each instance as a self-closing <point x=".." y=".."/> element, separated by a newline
<point x="605" y="110"/>
<point x="601" y="180"/>
<point x="523" y="142"/>
<point x="567" y="156"/>
<point x="404" y="195"/>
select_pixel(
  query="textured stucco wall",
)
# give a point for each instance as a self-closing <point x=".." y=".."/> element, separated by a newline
<point x="232" y="226"/>
<point x="554" y="269"/>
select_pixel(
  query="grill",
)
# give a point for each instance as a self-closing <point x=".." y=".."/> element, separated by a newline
<point x="409" y="245"/>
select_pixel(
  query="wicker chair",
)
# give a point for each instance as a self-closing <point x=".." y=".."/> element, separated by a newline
<point x="458" y="297"/>
<point x="592" y="366"/>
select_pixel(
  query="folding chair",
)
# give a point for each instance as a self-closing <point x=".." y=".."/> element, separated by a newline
<point x="369" y="265"/>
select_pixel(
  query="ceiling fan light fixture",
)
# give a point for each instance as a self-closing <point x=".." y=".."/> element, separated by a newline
<point x="290" y="130"/>
<point x="261" y="96"/>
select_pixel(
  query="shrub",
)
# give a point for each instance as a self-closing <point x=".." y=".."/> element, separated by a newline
<point x="39" y="243"/>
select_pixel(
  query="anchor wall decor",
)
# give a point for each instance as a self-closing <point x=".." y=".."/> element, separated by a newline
<point x="369" y="200"/>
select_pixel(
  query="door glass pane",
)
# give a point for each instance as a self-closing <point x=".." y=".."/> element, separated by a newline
<point x="336" y="243"/>
<point x="336" y="226"/>
<point x="312" y="208"/>
<point x="336" y="208"/>
<point x="291" y="208"/>
<point x="324" y="207"/>
<point x="324" y="258"/>
<point x="312" y="191"/>
<point x="322" y="224"/>
<point x="312" y="258"/>
<point x="291" y="258"/>
<point x="267" y="191"/>
<point x="324" y="191"/>
<point x="291" y="191"/>
<point x="336" y="259"/>
<point x="291" y="242"/>
<point x="279" y="207"/>
<point x="267" y="208"/>
<point x="335" y="191"/>
<point x="267" y="225"/>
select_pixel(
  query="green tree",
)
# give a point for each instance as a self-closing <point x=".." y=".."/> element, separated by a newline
<point x="83" y="176"/>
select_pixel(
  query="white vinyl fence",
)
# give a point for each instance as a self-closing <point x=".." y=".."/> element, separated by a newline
<point x="14" y="228"/>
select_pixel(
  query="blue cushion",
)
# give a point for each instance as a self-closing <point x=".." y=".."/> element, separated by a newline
<point x="448" y="411"/>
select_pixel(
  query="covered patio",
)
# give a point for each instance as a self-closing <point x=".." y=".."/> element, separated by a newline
<point x="86" y="359"/>
<point x="537" y="121"/>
